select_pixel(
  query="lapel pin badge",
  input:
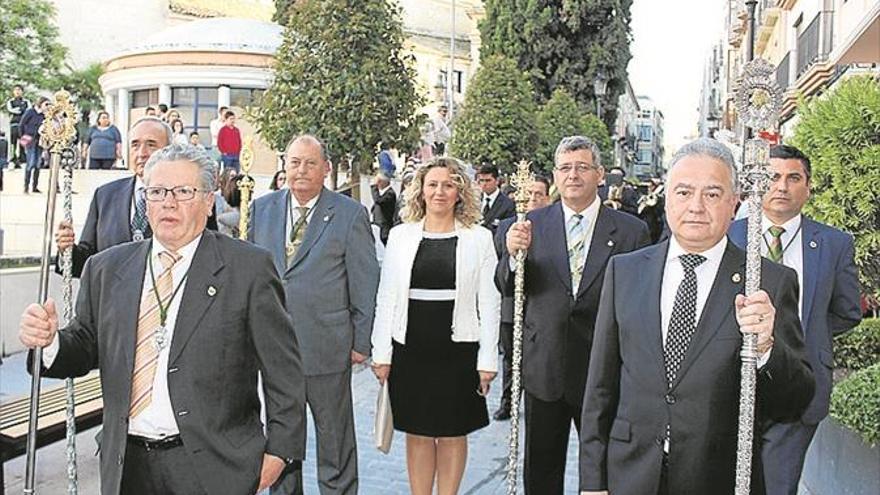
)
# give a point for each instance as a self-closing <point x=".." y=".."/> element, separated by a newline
<point x="610" y="243"/>
<point x="326" y="218"/>
<point x="212" y="291"/>
<point x="814" y="244"/>
<point x="736" y="278"/>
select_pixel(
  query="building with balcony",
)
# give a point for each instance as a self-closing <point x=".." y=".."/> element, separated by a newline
<point x="712" y="92"/>
<point x="812" y="43"/>
<point x="649" y="140"/>
<point x="625" y="131"/>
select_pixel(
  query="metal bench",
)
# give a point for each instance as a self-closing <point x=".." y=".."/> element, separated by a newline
<point x="51" y="425"/>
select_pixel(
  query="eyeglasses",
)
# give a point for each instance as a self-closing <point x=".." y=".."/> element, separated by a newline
<point x="580" y="168"/>
<point x="179" y="193"/>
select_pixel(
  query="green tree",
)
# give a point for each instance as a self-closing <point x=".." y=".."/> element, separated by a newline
<point x="342" y="75"/>
<point x="30" y="53"/>
<point x="840" y="132"/>
<point x="561" y="116"/>
<point x="563" y="43"/>
<point x="83" y="85"/>
<point x="497" y="124"/>
<point x="282" y="11"/>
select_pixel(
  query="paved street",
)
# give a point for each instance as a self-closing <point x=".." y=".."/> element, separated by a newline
<point x="379" y="473"/>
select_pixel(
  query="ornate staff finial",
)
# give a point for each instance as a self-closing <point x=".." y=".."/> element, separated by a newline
<point x="758" y="98"/>
<point x="246" y="185"/>
<point x="521" y="180"/>
<point x="59" y="126"/>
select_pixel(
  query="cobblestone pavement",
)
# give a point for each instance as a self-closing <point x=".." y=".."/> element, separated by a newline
<point x="380" y="474"/>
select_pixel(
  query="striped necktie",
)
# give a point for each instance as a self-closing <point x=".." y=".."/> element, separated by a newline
<point x="774" y="249"/>
<point x="146" y="353"/>
<point x="140" y="228"/>
<point x="577" y="233"/>
<point x="297" y="233"/>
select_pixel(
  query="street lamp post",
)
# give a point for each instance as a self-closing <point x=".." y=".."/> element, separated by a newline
<point x="600" y="85"/>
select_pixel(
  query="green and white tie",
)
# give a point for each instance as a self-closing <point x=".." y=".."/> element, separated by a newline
<point x="774" y="249"/>
<point x="577" y="233"/>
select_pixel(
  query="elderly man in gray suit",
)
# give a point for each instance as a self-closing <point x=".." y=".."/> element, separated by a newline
<point x="179" y="326"/>
<point x="322" y="246"/>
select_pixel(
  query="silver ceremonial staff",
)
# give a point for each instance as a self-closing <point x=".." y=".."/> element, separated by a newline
<point x="68" y="160"/>
<point x="521" y="180"/>
<point x="56" y="133"/>
<point x="758" y="100"/>
<point x="246" y="187"/>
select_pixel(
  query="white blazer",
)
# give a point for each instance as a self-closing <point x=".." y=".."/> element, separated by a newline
<point x="476" y="312"/>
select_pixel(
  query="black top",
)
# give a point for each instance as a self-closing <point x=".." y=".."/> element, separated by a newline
<point x="434" y="266"/>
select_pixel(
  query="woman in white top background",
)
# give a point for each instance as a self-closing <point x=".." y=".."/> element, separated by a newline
<point x="435" y="336"/>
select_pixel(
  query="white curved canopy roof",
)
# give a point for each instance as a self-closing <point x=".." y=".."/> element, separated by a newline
<point x="221" y="34"/>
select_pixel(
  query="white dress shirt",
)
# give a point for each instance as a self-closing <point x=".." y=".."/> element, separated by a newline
<point x="491" y="197"/>
<point x="293" y="212"/>
<point x="157" y="420"/>
<point x="673" y="275"/>
<point x="793" y="250"/>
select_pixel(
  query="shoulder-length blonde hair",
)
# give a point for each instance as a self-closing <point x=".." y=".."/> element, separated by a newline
<point x="467" y="210"/>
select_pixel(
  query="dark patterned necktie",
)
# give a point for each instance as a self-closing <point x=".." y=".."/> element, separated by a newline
<point x="683" y="322"/>
<point x="774" y="249"/>
<point x="297" y="233"/>
<point x="140" y="228"/>
<point x="486" y="207"/>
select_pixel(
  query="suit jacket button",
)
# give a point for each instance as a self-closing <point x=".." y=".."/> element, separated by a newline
<point x="670" y="399"/>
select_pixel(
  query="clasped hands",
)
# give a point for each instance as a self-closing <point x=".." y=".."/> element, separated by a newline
<point x="383" y="370"/>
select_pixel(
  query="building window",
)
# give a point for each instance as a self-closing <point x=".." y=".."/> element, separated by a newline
<point x="645" y="156"/>
<point x="245" y="97"/>
<point x="197" y="108"/>
<point x="143" y="98"/>
<point x="645" y="133"/>
<point x="456" y="80"/>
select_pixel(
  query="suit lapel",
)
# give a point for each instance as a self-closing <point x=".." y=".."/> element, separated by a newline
<point x="127" y="296"/>
<point x="553" y="229"/>
<point x="719" y="305"/>
<point x="320" y="219"/>
<point x="276" y="218"/>
<point x="653" y="280"/>
<point x="812" y="246"/>
<point x="600" y="250"/>
<point x="124" y="223"/>
<point x="195" y="301"/>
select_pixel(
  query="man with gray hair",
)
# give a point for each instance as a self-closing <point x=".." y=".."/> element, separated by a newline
<point x="568" y="244"/>
<point x="660" y="412"/>
<point x="324" y="251"/>
<point x="384" y="205"/>
<point x="180" y="325"/>
<point x="117" y="213"/>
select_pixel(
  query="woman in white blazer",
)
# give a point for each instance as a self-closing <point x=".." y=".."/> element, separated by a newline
<point x="435" y="336"/>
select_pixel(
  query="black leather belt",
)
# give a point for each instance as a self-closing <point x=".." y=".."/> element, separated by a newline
<point x="149" y="444"/>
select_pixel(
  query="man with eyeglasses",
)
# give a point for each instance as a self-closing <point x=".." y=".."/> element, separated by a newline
<point x="117" y="213"/>
<point x="324" y="250"/>
<point x="180" y="326"/>
<point x="568" y="245"/>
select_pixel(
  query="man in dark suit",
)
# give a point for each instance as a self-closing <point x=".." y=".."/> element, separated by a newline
<point x="495" y="205"/>
<point x="829" y="302"/>
<point x="539" y="197"/>
<point x="180" y="326"/>
<point x="117" y="213"/>
<point x="661" y="407"/>
<point x="384" y="205"/>
<point x="324" y="251"/>
<point x="568" y="245"/>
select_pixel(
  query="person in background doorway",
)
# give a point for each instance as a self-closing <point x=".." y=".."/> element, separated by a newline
<point x="180" y="136"/>
<point x="103" y="143"/>
<point x="229" y="142"/>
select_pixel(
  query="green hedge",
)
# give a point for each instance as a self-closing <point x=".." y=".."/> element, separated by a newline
<point x="855" y="403"/>
<point x="859" y="348"/>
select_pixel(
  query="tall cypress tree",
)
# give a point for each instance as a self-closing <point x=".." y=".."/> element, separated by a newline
<point x="563" y="43"/>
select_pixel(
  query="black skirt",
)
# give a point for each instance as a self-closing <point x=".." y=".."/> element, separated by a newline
<point x="434" y="381"/>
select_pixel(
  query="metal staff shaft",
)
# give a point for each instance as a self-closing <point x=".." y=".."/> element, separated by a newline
<point x="36" y="365"/>
<point x="521" y="180"/>
<point x="519" y="300"/>
<point x="246" y="186"/>
<point x="68" y="159"/>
